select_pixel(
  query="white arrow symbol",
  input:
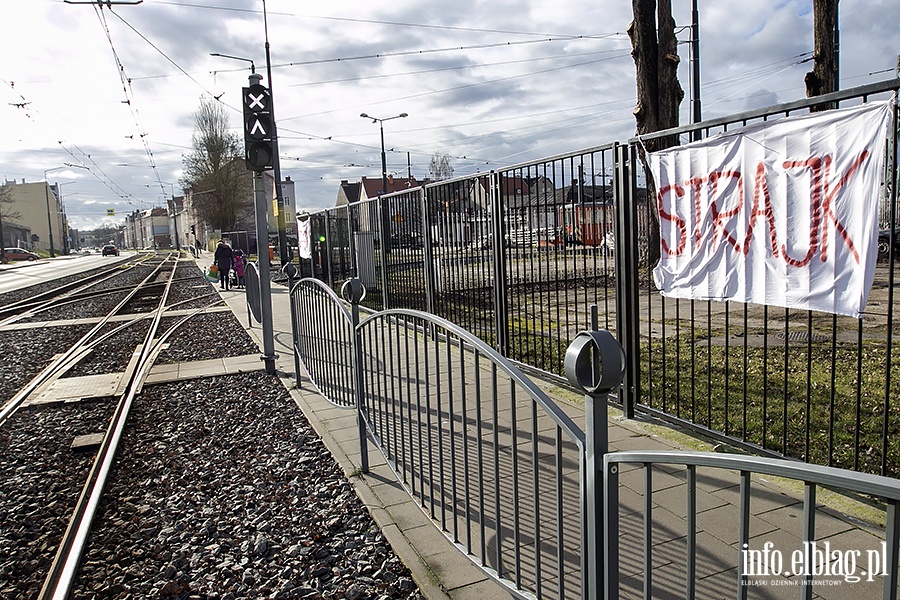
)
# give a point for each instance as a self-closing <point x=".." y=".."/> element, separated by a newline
<point x="258" y="125"/>
<point x="256" y="101"/>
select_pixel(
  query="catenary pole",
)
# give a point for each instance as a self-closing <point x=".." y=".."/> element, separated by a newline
<point x="276" y="162"/>
<point x="695" y="63"/>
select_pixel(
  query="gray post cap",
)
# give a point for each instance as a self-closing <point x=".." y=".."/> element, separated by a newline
<point x="357" y="290"/>
<point x="605" y="371"/>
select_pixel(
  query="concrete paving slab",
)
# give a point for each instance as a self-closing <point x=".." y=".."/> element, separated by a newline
<point x="71" y="389"/>
<point x="724" y="523"/>
<point x="675" y="499"/>
<point x="790" y="518"/>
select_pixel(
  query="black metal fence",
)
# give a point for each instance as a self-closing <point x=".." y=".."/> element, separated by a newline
<point x="499" y="467"/>
<point x="514" y="479"/>
<point x="518" y="256"/>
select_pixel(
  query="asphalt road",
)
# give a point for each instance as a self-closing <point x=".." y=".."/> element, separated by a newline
<point x="19" y="274"/>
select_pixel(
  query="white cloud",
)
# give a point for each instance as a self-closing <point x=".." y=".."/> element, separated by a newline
<point x="494" y="82"/>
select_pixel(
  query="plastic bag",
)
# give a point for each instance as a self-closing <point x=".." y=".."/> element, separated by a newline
<point x="212" y="273"/>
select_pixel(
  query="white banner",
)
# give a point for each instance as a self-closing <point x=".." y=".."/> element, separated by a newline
<point x="303" y="239"/>
<point x="782" y="213"/>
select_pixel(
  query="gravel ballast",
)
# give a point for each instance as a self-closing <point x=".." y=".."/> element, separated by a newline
<point x="226" y="492"/>
<point x="221" y="489"/>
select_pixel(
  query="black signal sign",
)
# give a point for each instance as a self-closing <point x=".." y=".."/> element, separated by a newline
<point x="256" y="98"/>
<point x="259" y="141"/>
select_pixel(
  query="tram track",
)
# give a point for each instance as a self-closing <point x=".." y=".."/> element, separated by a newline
<point x="81" y="287"/>
<point x="276" y="518"/>
<point x="141" y="307"/>
<point x="68" y="555"/>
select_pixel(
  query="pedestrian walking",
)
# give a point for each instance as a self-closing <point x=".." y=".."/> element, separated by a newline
<point x="239" y="266"/>
<point x="224" y="259"/>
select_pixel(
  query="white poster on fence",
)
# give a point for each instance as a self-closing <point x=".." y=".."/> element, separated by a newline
<point x="780" y="213"/>
<point x="303" y="239"/>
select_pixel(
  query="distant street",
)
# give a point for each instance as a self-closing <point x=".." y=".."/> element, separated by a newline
<point x="19" y="274"/>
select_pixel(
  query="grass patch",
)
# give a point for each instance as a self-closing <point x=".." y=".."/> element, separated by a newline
<point x="806" y="402"/>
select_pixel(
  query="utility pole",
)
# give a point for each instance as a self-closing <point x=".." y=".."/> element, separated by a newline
<point x="695" y="63"/>
<point x="279" y="194"/>
<point x="265" y="282"/>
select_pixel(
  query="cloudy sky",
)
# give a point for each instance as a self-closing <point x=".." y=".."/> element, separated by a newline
<point x="489" y="82"/>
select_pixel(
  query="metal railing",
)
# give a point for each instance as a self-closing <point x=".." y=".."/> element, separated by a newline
<point x="500" y="468"/>
<point x="518" y="256"/>
<point x="518" y="486"/>
<point x="748" y="561"/>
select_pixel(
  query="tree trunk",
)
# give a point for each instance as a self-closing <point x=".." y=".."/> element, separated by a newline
<point x="823" y="78"/>
<point x="670" y="92"/>
<point x="654" y="49"/>
<point x="645" y="52"/>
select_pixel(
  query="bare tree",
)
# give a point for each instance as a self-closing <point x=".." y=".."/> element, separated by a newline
<point x="214" y="169"/>
<point x="440" y="167"/>
<point x="654" y="49"/>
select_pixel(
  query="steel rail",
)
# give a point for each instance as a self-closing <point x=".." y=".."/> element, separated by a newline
<point x="54" y="367"/>
<point x="85" y="294"/>
<point x="49" y="298"/>
<point x="68" y="556"/>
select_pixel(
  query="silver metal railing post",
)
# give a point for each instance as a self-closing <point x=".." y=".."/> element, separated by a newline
<point x="595" y="363"/>
<point x="357" y="293"/>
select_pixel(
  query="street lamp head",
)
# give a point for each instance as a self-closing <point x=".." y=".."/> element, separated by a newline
<point x="252" y="65"/>
<point x="377" y="120"/>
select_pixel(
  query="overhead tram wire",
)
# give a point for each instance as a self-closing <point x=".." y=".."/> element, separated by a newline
<point x="107" y="182"/>
<point x="412" y="149"/>
<point x="756" y="81"/>
<point x="758" y="71"/>
<point x="396" y="54"/>
<point x="129" y="96"/>
<point x="163" y="54"/>
<point x="423" y="52"/>
<point x="454" y="68"/>
<point x="761" y="71"/>
<point x="355" y="20"/>
<point x="329" y="138"/>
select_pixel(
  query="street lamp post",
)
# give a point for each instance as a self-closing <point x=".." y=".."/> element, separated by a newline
<point x="47" y="196"/>
<point x="385" y="218"/>
<point x="384" y="186"/>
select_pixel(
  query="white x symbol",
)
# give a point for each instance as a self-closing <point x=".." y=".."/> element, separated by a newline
<point x="256" y="101"/>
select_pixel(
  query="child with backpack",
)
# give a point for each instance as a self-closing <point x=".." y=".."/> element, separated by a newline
<point x="240" y="263"/>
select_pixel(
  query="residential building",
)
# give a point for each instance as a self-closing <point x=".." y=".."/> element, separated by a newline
<point x="146" y="229"/>
<point x="40" y="211"/>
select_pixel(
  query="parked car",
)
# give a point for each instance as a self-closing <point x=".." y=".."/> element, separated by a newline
<point x="18" y="254"/>
<point x="884" y="243"/>
<point x="110" y="250"/>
